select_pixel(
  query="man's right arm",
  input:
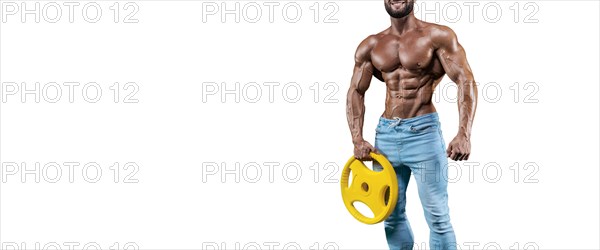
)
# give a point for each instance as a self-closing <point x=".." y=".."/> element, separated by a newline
<point x="355" y="105"/>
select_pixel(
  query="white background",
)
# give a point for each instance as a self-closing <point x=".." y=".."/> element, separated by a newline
<point x="545" y="144"/>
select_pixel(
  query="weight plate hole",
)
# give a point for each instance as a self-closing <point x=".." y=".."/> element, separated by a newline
<point x="363" y="209"/>
<point x="386" y="195"/>
<point x="350" y="178"/>
<point x="365" y="187"/>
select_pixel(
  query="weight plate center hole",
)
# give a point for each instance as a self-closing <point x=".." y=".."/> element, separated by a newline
<point x="365" y="187"/>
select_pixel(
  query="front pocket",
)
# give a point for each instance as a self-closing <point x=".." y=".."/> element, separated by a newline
<point x="380" y="128"/>
<point x="423" y="128"/>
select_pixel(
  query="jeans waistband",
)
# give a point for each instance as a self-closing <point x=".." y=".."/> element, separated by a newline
<point x="430" y="117"/>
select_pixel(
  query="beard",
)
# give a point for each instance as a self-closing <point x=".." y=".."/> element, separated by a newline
<point x="404" y="11"/>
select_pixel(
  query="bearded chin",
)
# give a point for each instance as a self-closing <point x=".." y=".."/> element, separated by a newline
<point x="400" y="13"/>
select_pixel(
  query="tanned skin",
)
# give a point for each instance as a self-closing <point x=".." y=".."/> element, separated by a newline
<point x="411" y="57"/>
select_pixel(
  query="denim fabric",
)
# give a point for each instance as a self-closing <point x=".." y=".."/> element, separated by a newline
<point x="415" y="145"/>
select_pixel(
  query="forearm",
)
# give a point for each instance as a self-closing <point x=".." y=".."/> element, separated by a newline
<point x="467" y="105"/>
<point x="355" y="112"/>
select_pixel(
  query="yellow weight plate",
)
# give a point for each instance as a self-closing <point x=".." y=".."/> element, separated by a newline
<point x="370" y="188"/>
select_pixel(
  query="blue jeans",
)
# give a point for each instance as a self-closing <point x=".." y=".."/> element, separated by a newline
<point x="415" y="145"/>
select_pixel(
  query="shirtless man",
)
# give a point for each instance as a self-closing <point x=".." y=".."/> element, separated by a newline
<point x="411" y="57"/>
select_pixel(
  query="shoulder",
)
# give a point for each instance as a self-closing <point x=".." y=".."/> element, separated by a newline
<point x="363" y="52"/>
<point x="441" y="35"/>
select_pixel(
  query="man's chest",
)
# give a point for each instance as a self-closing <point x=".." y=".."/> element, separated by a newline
<point x="407" y="52"/>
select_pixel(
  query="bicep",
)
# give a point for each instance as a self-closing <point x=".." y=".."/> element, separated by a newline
<point x="361" y="77"/>
<point x="363" y="69"/>
<point x="454" y="59"/>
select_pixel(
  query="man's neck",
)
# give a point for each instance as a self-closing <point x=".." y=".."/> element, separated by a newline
<point x="401" y="25"/>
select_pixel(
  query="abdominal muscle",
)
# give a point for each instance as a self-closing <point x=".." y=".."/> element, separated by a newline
<point x="408" y="94"/>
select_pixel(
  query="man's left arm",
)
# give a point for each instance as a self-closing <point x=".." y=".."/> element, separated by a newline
<point x="454" y="61"/>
